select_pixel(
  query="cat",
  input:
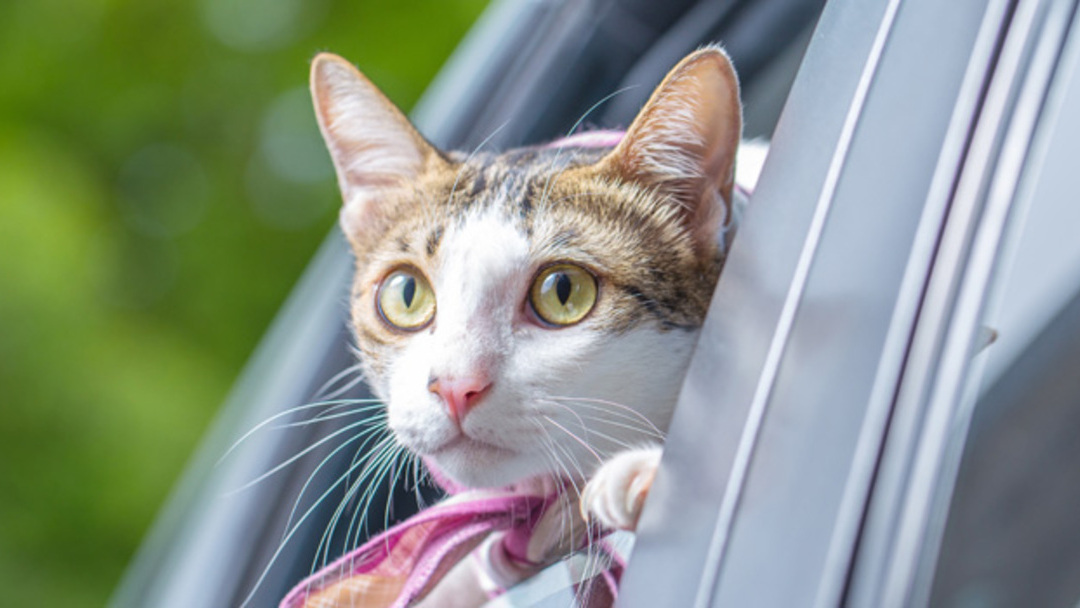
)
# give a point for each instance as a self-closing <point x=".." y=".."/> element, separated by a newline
<point x="530" y="314"/>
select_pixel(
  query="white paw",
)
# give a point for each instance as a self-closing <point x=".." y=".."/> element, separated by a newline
<point x="615" y="494"/>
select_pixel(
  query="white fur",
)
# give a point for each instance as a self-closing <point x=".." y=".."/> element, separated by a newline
<point x="615" y="494"/>
<point x="751" y="159"/>
<point x="522" y="427"/>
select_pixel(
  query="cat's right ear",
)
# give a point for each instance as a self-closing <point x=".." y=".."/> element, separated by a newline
<point x="684" y="141"/>
<point x="373" y="145"/>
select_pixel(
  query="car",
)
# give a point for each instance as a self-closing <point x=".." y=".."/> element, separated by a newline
<point x="881" y="410"/>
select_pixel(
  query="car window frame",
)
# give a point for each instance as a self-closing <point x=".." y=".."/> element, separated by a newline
<point x="755" y="538"/>
<point x="906" y="515"/>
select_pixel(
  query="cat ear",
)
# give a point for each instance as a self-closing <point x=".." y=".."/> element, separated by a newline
<point x="372" y="143"/>
<point x="684" y="141"/>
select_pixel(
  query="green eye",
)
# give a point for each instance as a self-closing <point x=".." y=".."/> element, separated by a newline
<point x="406" y="300"/>
<point x="563" y="294"/>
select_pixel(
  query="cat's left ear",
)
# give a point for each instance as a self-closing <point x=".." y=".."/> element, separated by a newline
<point x="373" y="145"/>
<point x="684" y="141"/>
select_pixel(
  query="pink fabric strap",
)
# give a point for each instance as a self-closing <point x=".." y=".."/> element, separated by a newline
<point x="403" y="564"/>
<point x="589" y="139"/>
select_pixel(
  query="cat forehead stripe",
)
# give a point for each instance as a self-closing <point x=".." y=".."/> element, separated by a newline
<point x="482" y="260"/>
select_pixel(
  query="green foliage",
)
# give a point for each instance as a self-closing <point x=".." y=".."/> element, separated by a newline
<point x="161" y="188"/>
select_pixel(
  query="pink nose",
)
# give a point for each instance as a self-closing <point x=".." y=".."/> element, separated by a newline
<point x="460" y="394"/>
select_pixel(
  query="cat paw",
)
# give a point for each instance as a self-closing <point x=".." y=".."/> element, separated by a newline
<point x="614" y="496"/>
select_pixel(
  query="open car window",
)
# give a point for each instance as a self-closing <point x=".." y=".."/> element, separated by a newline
<point x="776" y="439"/>
<point x="526" y="73"/>
<point x="982" y="460"/>
<point x="822" y="421"/>
<point x="816" y="439"/>
<point x="1009" y="535"/>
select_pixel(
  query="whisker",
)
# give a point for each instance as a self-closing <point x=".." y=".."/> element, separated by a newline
<point x="357" y="367"/>
<point x="414" y="461"/>
<point x="377" y="425"/>
<point x="388" y="467"/>
<point x="555" y="161"/>
<point x="596" y="105"/>
<point x="614" y="440"/>
<point x="581" y="422"/>
<point x="464" y="164"/>
<point x="573" y="461"/>
<point x="616" y="423"/>
<point x="599" y="402"/>
<point x="621" y="441"/>
<point x="325" y="416"/>
<point x="288" y="537"/>
<point x="377" y="473"/>
<point x="583" y="443"/>
<point x="549" y="452"/>
<point x="288" y="412"/>
<point x="396" y="469"/>
<point x="567" y="523"/>
<point x="595" y="560"/>
<point x="353" y="487"/>
<point x="296" y="457"/>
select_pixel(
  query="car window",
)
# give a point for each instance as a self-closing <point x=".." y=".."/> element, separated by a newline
<point x="792" y="453"/>
<point x="1010" y="536"/>
<point x="1002" y="282"/>
<point x="526" y="73"/>
<point x="775" y="442"/>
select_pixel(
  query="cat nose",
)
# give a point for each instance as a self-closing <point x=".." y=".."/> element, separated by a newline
<point x="460" y="394"/>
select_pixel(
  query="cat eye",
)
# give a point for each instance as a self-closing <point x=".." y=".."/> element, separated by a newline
<point x="563" y="294"/>
<point x="406" y="300"/>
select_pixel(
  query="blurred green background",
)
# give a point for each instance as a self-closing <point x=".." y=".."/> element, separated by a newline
<point x="162" y="186"/>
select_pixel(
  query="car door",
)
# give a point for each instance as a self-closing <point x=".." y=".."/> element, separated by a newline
<point x="815" y="447"/>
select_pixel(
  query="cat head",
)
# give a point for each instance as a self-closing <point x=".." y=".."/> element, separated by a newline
<point x="530" y="312"/>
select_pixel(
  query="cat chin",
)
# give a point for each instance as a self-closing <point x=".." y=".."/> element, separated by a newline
<point x="476" y="464"/>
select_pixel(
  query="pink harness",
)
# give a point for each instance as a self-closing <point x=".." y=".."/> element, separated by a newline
<point x="589" y="139"/>
<point x="406" y="563"/>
